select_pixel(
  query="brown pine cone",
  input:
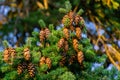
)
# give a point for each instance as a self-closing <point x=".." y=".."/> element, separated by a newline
<point x="72" y="27"/>
<point x="80" y="57"/>
<point x="66" y="21"/>
<point x="42" y="35"/>
<point x="66" y="47"/>
<point x="31" y="69"/>
<point x="19" y="69"/>
<point x="6" y="55"/>
<point x="9" y="53"/>
<point x="66" y="33"/>
<point x="78" y="32"/>
<point x="77" y="19"/>
<point x="62" y="61"/>
<point x="71" y="14"/>
<point x="42" y="61"/>
<point x="27" y="54"/>
<point x="72" y="59"/>
<point x="61" y="43"/>
<point x="24" y="65"/>
<point x="48" y="62"/>
<point x="47" y="32"/>
<point x="75" y="44"/>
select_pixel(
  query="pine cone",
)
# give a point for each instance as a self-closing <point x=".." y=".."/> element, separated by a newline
<point x="48" y="62"/>
<point x="8" y="54"/>
<point x="66" y="33"/>
<point x="72" y="59"/>
<point x="72" y="28"/>
<point x="42" y="61"/>
<point x="66" y="47"/>
<point x="71" y="17"/>
<point x="77" y="19"/>
<point x="61" y="43"/>
<point x="31" y="69"/>
<point x="78" y="32"/>
<point x="62" y="61"/>
<point x="66" y="21"/>
<point x="27" y="54"/>
<point x="80" y="57"/>
<point x="42" y="35"/>
<point x="13" y="52"/>
<point x="71" y="14"/>
<point x="20" y="69"/>
<point x="47" y="32"/>
<point x="24" y="65"/>
<point x="75" y="44"/>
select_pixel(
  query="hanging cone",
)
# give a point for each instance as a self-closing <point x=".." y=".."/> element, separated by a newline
<point x="61" y="43"/>
<point x="66" y="47"/>
<point x="75" y="44"/>
<point x="77" y="19"/>
<point x="47" y="32"/>
<point x="66" y="33"/>
<point x="9" y="54"/>
<point x="72" y="59"/>
<point x="62" y="61"/>
<point x="6" y="55"/>
<point x="48" y="62"/>
<point x="72" y="27"/>
<point x="19" y="69"/>
<point x="42" y="36"/>
<point x="27" y="54"/>
<point x="42" y="61"/>
<point x="71" y="14"/>
<point x="78" y="32"/>
<point x="66" y="21"/>
<point x="31" y="69"/>
<point x="80" y="57"/>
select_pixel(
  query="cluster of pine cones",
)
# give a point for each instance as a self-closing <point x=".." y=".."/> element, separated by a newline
<point x="72" y="23"/>
<point x="45" y="60"/>
<point x="44" y="33"/>
<point x="29" y="66"/>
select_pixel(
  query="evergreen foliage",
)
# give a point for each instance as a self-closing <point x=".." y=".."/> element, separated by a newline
<point x="57" y="57"/>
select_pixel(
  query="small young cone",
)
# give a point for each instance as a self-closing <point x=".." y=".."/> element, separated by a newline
<point x="19" y="69"/>
<point x="61" y="43"/>
<point x="66" y="33"/>
<point x="47" y="32"/>
<point x="27" y="54"/>
<point x="66" y="47"/>
<point x="78" y="32"/>
<point x="48" y="62"/>
<point x="42" y="61"/>
<point x="75" y="44"/>
<point x="42" y="35"/>
<point x="31" y="69"/>
<point x="80" y="57"/>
